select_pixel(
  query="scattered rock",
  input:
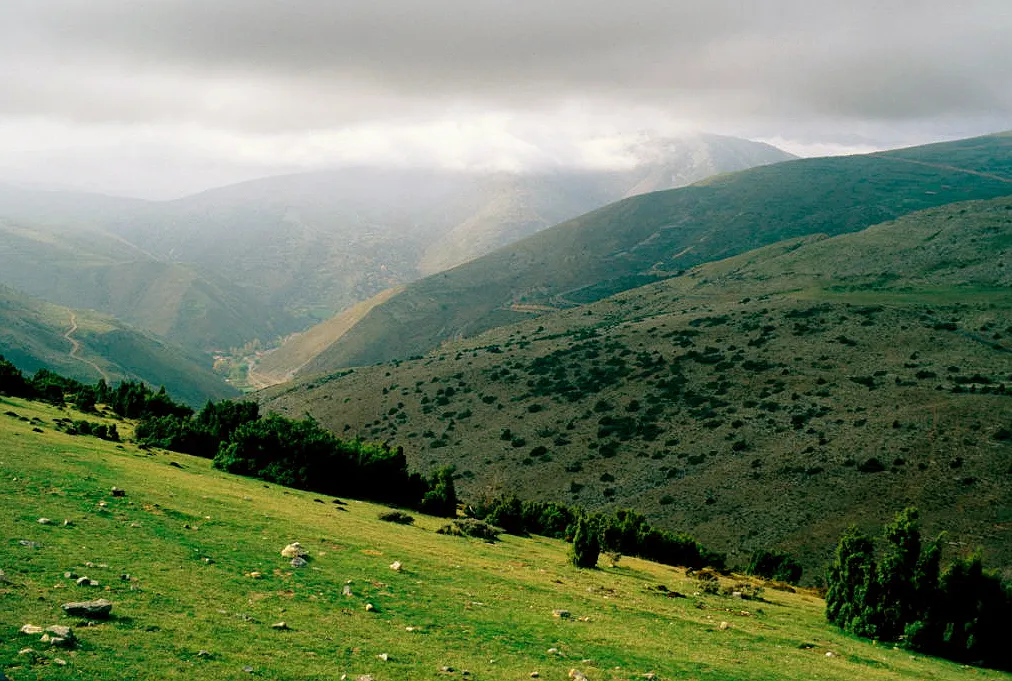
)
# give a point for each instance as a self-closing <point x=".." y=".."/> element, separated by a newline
<point x="535" y="675"/>
<point x="447" y="670"/>
<point x="346" y="591"/>
<point x="44" y="521"/>
<point x="203" y="653"/>
<point x="384" y="657"/>
<point x="577" y="675"/>
<point x="248" y="669"/>
<point x="724" y="626"/>
<point x="27" y="651"/>
<point x="4" y="580"/>
<point x="364" y="677"/>
<point x="830" y="654"/>
<point x="31" y="630"/>
<point x="103" y="504"/>
<point x="294" y="550"/>
<point x="254" y="575"/>
<point x="395" y="566"/>
<point x="117" y="492"/>
<point x="563" y="614"/>
<point x="299" y="562"/>
<point x="280" y="626"/>
<point x="124" y="577"/>
<point x="30" y="544"/>
<point x="57" y="661"/>
<point x="552" y="651"/>
<point x="369" y="607"/>
<point x="86" y="581"/>
<point x="98" y="609"/>
<point x="650" y="676"/>
<point x="60" y="631"/>
<point x="68" y="522"/>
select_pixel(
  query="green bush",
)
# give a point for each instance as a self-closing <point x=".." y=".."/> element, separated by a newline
<point x="779" y="566"/>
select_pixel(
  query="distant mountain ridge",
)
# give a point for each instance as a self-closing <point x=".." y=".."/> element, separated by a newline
<point x="264" y="258"/>
<point x="650" y="237"/>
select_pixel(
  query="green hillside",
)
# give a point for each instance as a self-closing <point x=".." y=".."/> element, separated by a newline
<point x="189" y="559"/>
<point x="37" y="335"/>
<point x="768" y="399"/>
<point x="645" y="238"/>
<point x="86" y="267"/>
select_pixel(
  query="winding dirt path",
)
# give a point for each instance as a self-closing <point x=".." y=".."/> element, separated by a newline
<point x="75" y="348"/>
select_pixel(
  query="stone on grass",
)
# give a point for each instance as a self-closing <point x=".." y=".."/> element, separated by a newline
<point x="564" y="614"/>
<point x="299" y="562"/>
<point x="98" y="609"/>
<point x="203" y="653"/>
<point x="57" y="661"/>
<point x="346" y="591"/>
<point x="650" y="676"/>
<point x="31" y="629"/>
<point x="577" y="675"/>
<point x="248" y="669"/>
<point x="724" y="626"/>
<point x="294" y="550"/>
<point x="4" y="580"/>
<point x="44" y="521"/>
<point x="86" y="581"/>
<point x="364" y="677"/>
<point x="280" y="626"/>
<point x="395" y="566"/>
<point x="535" y="675"/>
<point x="60" y="631"/>
<point x="117" y="492"/>
<point x="384" y="657"/>
<point x="30" y="544"/>
<point x="369" y="607"/>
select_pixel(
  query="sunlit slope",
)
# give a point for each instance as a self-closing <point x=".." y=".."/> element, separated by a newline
<point x="190" y="559"/>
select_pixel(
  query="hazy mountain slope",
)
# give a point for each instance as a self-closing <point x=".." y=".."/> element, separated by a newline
<point x="262" y="259"/>
<point x="36" y="335"/>
<point x="89" y="268"/>
<point x="280" y="364"/>
<point x="770" y="398"/>
<point x="643" y="238"/>
<point x="316" y="243"/>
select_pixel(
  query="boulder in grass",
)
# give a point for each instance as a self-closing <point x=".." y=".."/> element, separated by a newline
<point x="294" y="550"/>
<point x="299" y="562"/>
<point x="31" y="629"/>
<point x="96" y="610"/>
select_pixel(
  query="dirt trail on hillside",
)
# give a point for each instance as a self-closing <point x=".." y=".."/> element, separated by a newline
<point x="75" y="348"/>
<point x="942" y="166"/>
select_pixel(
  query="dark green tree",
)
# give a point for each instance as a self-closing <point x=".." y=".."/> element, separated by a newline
<point x="586" y="546"/>
<point x="851" y="586"/>
<point x="441" y="499"/>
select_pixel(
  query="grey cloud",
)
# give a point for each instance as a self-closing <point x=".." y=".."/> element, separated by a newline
<point x="281" y="64"/>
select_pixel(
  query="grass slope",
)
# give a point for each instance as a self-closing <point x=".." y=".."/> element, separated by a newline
<point x="34" y="335"/>
<point x="188" y="538"/>
<point x="633" y="242"/>
<point x="765" y="400"/>
<point x="87" y="267"/>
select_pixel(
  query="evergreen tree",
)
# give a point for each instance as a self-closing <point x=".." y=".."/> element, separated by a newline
<point x="586" y="547"/>
<point x="851" y="583"/>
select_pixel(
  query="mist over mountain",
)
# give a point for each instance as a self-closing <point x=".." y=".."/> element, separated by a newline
<point x="261" y="259"/>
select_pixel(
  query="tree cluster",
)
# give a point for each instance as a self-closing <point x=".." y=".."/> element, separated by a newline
<point x="625" y="531"/>
<point x="901" y="594"/>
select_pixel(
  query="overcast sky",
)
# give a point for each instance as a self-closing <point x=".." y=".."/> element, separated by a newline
<point x="162" y="97"/>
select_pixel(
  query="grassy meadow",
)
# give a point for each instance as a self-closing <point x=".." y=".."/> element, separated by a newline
<point x="190" y="559"/>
